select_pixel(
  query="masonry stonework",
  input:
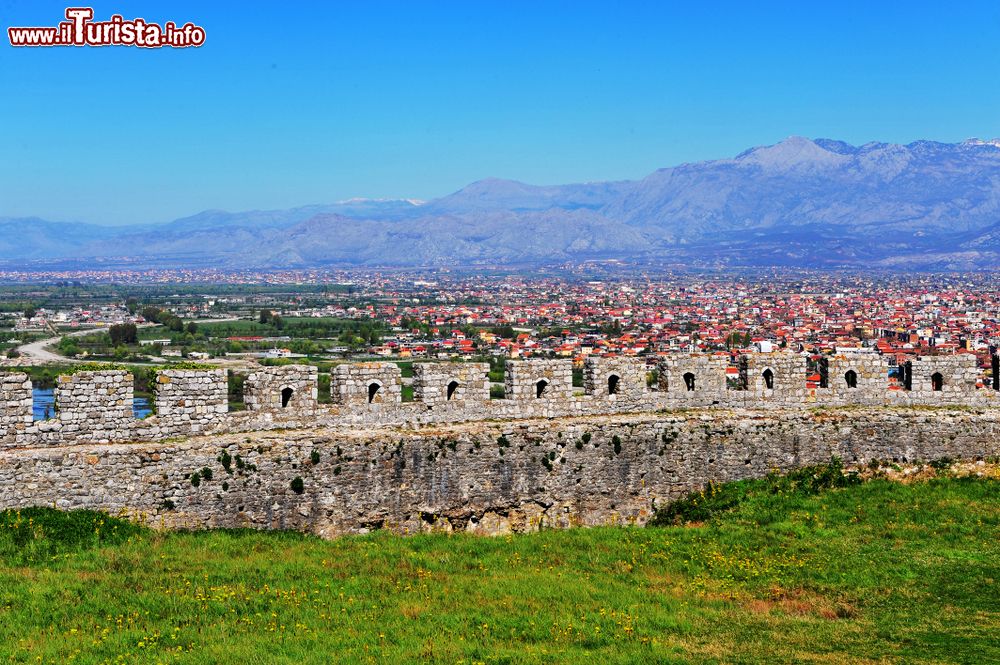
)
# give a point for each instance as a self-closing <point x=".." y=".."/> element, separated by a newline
<point x="621" y="379"/>
<point x="943" y="379"/>
<point x="691" y="380"/>
<point x="292" y="387"/>
<point x="538" y="379"/>
<point x="15" y="403"/>
<point x="485" y="478"/>
<point x="853" y="379"/>
<point x="773" y="378"/>
<point x="95" y="405"/>
<point x="438" y="383"/>
<point x="190" y="400"/>
<point x="366" y="383"/>
<point x="472" y="463"/>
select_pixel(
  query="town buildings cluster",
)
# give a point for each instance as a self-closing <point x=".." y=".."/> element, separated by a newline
<point x="819" y="314"/>
<point x="437" y="313"/>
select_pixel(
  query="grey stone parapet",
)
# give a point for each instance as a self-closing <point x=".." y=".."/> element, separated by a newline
<point x="96" y="406"/>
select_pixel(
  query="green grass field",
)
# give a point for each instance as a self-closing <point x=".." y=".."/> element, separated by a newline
<point x="878" y="572"/>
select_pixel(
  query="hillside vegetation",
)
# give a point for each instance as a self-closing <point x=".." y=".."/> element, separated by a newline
<point x="817" y="568"/>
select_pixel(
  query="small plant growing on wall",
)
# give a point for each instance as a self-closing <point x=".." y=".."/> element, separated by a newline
<point x="298" y="485"/>
<point x="617" y="443"/>
<point x="226" y="460"/>
<point x="314" y="457"/>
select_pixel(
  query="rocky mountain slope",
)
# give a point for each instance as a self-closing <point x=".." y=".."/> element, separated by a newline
<point x="801" y="202"/>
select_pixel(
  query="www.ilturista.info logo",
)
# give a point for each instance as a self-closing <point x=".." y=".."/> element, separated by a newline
<point x="81" y="30"/>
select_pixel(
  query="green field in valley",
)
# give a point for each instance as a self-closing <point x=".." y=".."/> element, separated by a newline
<point x="866" y="573"/>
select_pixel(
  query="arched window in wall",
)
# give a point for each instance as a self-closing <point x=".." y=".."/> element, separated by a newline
<point x="768" y="376"/>
<point x="689" y="381"/>
<point x="851" y="378"/>
<point x="937" y="382"/>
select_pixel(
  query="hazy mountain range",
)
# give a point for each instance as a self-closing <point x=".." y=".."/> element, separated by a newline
<point x="802" y="202"/>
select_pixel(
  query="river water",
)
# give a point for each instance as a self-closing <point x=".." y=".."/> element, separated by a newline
<point x="43" y="404"/>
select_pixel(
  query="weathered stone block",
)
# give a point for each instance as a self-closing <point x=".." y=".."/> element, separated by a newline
<point x="438" y="383"/>
<point x="616" y="378"/>
<point x="366" y="383"/>
<point x="291" y="387"/>
<point x="538" y="379"/>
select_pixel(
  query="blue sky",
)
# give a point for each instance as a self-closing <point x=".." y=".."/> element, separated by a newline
<point x="295" y="103"/>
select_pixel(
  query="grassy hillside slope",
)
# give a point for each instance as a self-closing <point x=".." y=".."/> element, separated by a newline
<point x="875" y="572"/>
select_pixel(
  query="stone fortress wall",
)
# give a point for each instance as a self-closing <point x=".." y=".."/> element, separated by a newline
<point x="95" y="406"/>
<point x="546" y="456"/>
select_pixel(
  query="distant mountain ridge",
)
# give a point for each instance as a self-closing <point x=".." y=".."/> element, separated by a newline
<point x="798" y="203"/>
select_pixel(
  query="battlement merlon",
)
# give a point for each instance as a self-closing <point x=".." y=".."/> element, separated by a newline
<point x="292" y="387"/>
<point x="15" y="403"/>
<point x="694" y="380"/>
<point x="96" y="403"/>
<point x="538" y="379"/>
<point x="194" y="399"/>
<point x="615" y="378"/>
<point x="440" y="383"/>
<point x="366" y="383"/>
